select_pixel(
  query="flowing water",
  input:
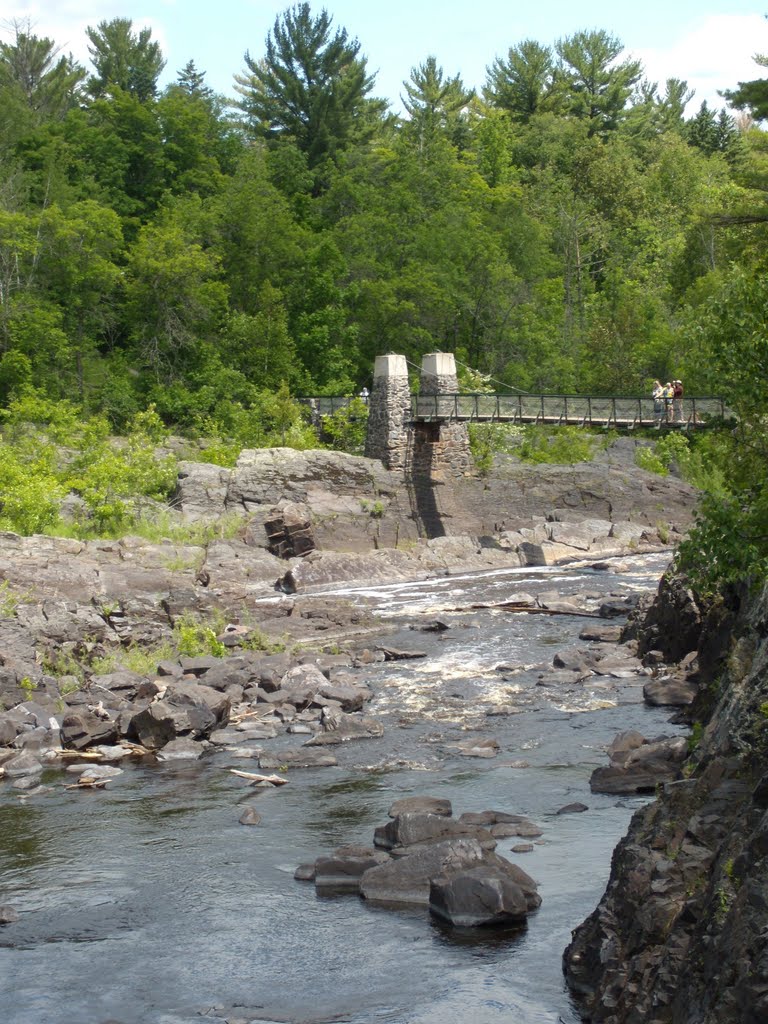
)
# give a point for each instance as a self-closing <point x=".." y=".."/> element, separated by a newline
<point x="147" y="902"/>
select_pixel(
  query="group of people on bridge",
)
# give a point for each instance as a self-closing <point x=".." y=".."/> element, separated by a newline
<point x="667" y="402"/>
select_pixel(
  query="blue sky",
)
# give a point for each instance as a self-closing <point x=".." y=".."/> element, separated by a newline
<point x="708" y="43"/>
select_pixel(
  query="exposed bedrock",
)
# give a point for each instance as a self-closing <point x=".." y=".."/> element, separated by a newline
<point x="681" y="933"/>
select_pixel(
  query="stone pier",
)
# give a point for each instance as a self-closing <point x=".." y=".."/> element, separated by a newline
<point x="420" y="448"/>
<point x="389" y="412"/>
<point x="442" y="444"/>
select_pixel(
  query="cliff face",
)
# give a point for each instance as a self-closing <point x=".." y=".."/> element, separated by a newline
<point x="681" y="934"/>
<point x="355" y="504"/>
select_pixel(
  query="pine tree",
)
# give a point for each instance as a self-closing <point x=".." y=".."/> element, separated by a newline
<point x="31" y="68"/>
<point x="122" y="59"/>
<point x="311" y="85"/>
<point x="192" y="81"/>
<point x="436" y="104"/>
<point x="521" y="84"/>
<point x="593" y="86"/>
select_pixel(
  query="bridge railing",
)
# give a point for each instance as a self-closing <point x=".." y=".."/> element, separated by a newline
<point x="581" y="410"/>
<point x="326" y="405"/>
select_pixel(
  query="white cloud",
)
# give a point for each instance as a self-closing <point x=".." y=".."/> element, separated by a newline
<point x="65" y="22"/>
<point x="715" y="53"/>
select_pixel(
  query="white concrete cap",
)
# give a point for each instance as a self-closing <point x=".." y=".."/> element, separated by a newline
<point x="390" y="365"/>
<point x="439" y="364"/>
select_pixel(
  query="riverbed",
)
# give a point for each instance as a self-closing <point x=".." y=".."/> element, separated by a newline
<point x="148" y="903"/>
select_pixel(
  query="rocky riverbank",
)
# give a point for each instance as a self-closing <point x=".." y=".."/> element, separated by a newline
<point x="75" y="615"/>
<point x="681" y="933"/>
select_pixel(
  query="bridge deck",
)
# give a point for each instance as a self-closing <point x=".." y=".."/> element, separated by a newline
<point x="555" y="410"/>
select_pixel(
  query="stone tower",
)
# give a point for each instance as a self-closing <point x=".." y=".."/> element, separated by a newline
<point x="389" y="412"/>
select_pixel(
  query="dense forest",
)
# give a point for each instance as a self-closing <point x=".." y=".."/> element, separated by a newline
<point x="569" y="227"/>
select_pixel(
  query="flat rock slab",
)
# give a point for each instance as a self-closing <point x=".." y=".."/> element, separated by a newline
<point x="343" y="870"/>
<point x="669" y="693"/>
<point x="423" y="805"/>
<point x="349" y="728"/>
<point x="409" y="829"/>
<point x="407" y="879"/>
<point x="601" y="634"/>
<point x="301" y="758"/>
<point x="182" y="749"/>
<point x="478" y="748"/>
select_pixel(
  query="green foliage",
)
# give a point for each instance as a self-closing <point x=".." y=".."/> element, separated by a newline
<point x="647" y="459"/>
<point x="559" y="445"/>
<point x="28" y="686"/>
<point x="123" y="60"/>
<point x="311" y="84"/>
<point x="570" y="232"/>
<point x="143" y="660"/>
<point x="730" y="538"/>
<point x="489" y="439"/>
<point x="112" y="480"/>
<point x="10" y="599"/>
<point x="30" y="491"/>
<point x="672" y="448"/>
<point x="345" y="429"/>
<point x="257" y="640"/>
<point x="194" y="638"/>
<point x="112" y="477"/>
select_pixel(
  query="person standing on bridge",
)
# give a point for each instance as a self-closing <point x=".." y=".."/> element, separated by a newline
<point x="658" y="402"/>
<point x="677" y="400"/>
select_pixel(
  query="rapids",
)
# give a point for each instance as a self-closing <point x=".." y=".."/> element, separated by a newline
<point x="147" y="902"/>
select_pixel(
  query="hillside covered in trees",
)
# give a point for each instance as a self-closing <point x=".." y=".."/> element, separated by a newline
<point x="568" y="228"/>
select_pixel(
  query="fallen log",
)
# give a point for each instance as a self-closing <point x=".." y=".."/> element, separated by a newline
<point x="255" y="779"/>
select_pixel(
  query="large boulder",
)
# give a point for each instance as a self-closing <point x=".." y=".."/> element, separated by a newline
<point x="422" y="805"/>
<point x="642" y="767"/>
<point x="481" y="896"/>
<point x="410" y="829"/>
<point x="673" y="622"/>
<point x="86" y="729"/>
<point x="186" y="709"/>
<point x="407" y="879"/>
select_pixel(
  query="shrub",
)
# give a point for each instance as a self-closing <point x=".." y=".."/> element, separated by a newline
<point x="345" y="429"/>
<point x="647" y="459"/>
<point x="558" y="445"/>
<point x="489" y="439"/>
<point x="30" y="491"/>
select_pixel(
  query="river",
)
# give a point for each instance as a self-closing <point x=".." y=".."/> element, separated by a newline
<point x="147" y="902"/>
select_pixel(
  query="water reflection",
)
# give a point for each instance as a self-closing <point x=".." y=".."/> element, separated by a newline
<point x="150" y="904"/>
<point x="22" y="835"/>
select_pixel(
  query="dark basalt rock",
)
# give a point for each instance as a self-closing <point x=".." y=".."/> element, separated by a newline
<point x="407" y="879"/>
<point x="679" y="936"/>
<point x="85" y="729"/>
<point x="675" y="692"/>
<point x="476" y="897"/>
<point x="410" y="829"/>
<point x="186" y="709"/>
<point x="423" y="805"/>
<point x="8" y="914"/>
<point x="642" y="768"/>
<point x="343" y="870"/>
